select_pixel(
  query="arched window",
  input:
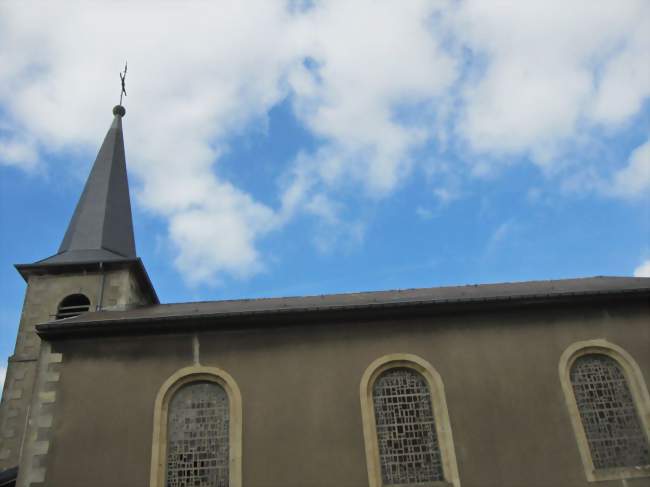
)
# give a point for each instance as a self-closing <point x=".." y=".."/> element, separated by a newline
<point x="607" y="401"/>
<point x="406" y="424"/>
<point x="72" y="305"/>
<point x="198" y="442"/>
<point x="406" y="430"/>
<point x="197" y="430"/>
<point x="609" y="418"/>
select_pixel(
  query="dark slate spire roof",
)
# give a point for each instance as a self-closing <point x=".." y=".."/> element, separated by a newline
<point x="100" y="233"/>
<point x="101" y="228"/>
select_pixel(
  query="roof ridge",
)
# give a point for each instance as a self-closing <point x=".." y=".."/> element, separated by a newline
<point x="403" y="290"/>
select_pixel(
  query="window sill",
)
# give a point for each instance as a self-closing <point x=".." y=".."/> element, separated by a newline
<point x="619" y="473"/>
<point x="436" y="483"/>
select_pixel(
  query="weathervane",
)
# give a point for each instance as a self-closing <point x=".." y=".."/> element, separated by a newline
<point x="123" y="79"/>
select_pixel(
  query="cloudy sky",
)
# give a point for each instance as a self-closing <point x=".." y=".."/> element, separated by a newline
<point x="297" y="147"/>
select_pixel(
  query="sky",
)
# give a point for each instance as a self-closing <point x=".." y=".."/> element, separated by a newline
<point x="281" y="148"/>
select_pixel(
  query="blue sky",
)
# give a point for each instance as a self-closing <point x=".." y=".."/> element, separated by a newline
<point x="290" y="148"/>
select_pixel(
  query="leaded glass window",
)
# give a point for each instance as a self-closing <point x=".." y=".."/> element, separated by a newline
<point x="198" y="436"/>
<point x="608" y="414"/>
<point x="406" y="432"/>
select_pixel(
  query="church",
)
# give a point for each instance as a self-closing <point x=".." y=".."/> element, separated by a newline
<point x="529" y="384"/>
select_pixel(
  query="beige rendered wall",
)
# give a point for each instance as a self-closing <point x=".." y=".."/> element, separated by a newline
<point x="43" y="294"/>
<point x="299" y="385"/>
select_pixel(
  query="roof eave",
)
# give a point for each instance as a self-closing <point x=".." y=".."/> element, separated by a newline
<point x="8" y="477"/>
<point x="27" y="270"/>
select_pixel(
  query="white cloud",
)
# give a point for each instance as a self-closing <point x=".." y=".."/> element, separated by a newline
<point x="197" y="74"/>
<point x="372" y="80"/>
<point x="16" y="152"/>
<point x="3" y="375"/>
<point x="547" y="68"/>
<point x="424" y="213"/>
<point x="643" y="270"/>
<point x="445" y="195"/>
<point x="634" y="179"/>
<point x="625" y="81"/>
<point x="368" y="59"/>
<point x="218" y="235"/>
<point x="500" y="234"/>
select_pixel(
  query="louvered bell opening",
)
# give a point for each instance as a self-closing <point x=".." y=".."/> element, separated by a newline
<point x="72" y="305"/>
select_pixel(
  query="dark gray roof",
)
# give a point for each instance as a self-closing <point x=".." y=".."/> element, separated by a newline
<point x="535" y="291"/>
<point x="101" y="228"/>
<point x="83" y="257"/>
<point x="8" y="477"/>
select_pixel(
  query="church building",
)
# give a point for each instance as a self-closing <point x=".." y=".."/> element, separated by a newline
<point x="529" y="384"/>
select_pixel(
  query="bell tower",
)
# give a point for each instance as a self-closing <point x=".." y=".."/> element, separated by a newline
<point x="96" y="268"/>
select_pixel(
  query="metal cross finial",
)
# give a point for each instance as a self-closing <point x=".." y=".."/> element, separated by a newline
<point x="123" y="79"/>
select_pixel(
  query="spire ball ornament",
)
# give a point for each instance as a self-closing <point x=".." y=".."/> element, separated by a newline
<point x="119" y="110"/>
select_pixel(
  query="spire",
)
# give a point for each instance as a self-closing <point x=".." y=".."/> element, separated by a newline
<point x="101" y="228"/>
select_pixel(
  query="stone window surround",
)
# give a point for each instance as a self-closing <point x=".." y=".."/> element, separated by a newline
<point x="187" y="375"/>
<point x="638" y="389"/>
<point x="440" y="413"/>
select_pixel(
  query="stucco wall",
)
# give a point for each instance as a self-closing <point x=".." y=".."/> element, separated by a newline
<point x="300" y="391"/>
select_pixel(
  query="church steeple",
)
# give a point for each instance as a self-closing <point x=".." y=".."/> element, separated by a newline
<point x="99" y="237"/>
<point x="101" y="228"/>
<point x="95" y="270"/>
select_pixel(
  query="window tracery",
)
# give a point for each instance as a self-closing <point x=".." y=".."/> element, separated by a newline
<point x="406" y="431"/>
<point x="608" y="414"/>
<point x="198" y="436"/>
